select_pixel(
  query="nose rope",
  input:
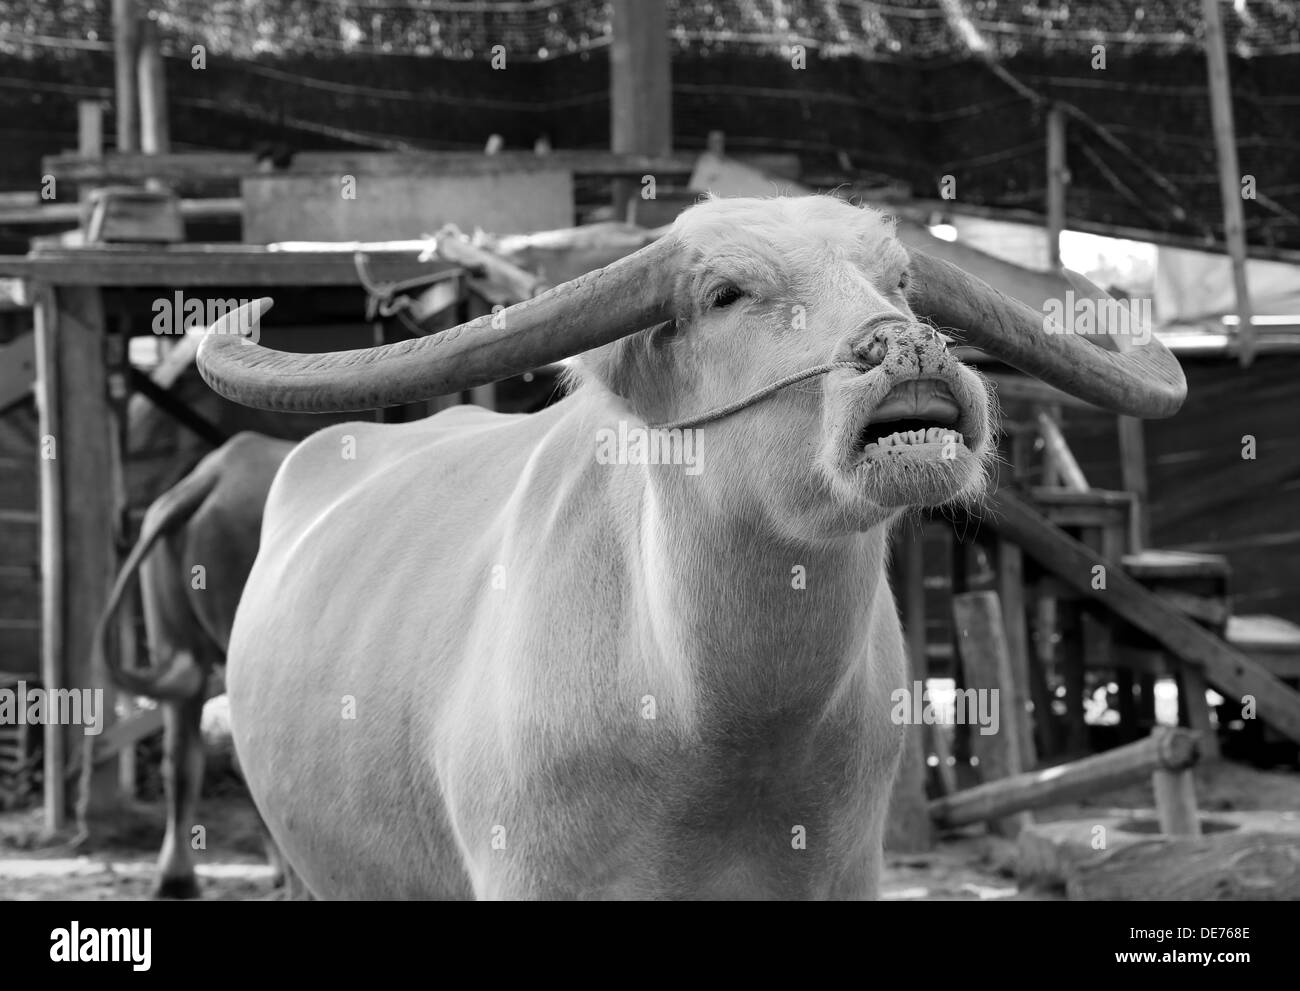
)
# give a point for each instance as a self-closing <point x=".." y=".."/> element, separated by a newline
<point x="763" y="393"/>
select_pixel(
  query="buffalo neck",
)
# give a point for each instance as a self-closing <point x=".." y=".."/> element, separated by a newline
<point x="766" y="621"/>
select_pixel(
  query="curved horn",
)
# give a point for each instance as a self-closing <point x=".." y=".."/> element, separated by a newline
<point x="631" y="294"/>
<point x="1144" y="380"/>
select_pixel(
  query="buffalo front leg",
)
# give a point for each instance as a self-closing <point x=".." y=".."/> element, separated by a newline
<point x="182" y="779"/>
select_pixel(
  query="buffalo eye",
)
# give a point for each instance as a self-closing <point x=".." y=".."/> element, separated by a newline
<point x="725" y="296"/>
<point x="903" y="281"/>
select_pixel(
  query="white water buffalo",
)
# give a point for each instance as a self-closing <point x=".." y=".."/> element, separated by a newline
<point x="479" y="657"/>
<point x="211" y="519"/>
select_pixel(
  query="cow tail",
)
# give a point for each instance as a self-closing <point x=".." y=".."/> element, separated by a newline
<point x="171" y="510"/>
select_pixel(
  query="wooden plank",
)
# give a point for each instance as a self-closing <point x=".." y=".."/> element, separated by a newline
<point x="186" y="265"/>
<point x="1153" y="565"/>
<point x="65" y="214"/>
<point x="1111" y="498"/>
<point x="986" y="661"/>
<point x="1165" y="747"/>
<point x="230" y="166"/>
<point x="1225" y="144"/>
<point x="1085" y="515"/>
<point x="1231" y="671"/>
<point x="285" y="207"/>
<point x="1263" y="633"/>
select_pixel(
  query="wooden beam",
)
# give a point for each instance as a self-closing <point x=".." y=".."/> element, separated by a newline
<point x="210" y="265"/>
<point x="1166" y="747"/>
<point x="126" y="108"/>
<point x="1061" y="457"/>
<point x="1057" y="177"/>
<point x="64" y="214"/>
<point x="155" y="135"/>
<point x="231" y="166"/>
<point x="986" y="664"/>
<point x="640" y="84"/>
<point x="1133" y="472"/>
<point x="1225" y="143"/>
<point x="1231" y="671"/>
<point x="922" y="210"/>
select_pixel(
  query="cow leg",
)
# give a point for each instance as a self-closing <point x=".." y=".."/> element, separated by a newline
<point x="182" y="779"/>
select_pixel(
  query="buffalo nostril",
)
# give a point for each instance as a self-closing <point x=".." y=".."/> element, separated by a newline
<point x="872" y="350"/>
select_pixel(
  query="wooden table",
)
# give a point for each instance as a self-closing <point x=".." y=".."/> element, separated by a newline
<point x="81" y="395"/>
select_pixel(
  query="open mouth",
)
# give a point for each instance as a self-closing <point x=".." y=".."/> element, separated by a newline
<point x="914" y="414"/>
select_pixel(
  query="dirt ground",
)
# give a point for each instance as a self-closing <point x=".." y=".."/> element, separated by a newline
<point x="118" y="862"/>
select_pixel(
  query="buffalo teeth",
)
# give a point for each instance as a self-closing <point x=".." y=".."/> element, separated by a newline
<point x="908" y="438"/>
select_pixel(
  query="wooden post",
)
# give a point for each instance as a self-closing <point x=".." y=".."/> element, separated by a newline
<point x="1192" y="687"/>
<point x="1011" y="593"/>
<point x="987" y="664"/>
<point x="1057" y="177"/>
<point x="640" y="86"/>
<point x="1176" y="802"/>
<point x="1133" y="468"/>
<point x="908" y="827"/>
<point x="90" y="128"/>
<point x="124" y="48"/>
<point x="49" y="409"/>
<point x="914" y="623"/>
<point x="78" y="559"/>
<point x="1225" y="143"/>
<point x="155" y="136"/>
